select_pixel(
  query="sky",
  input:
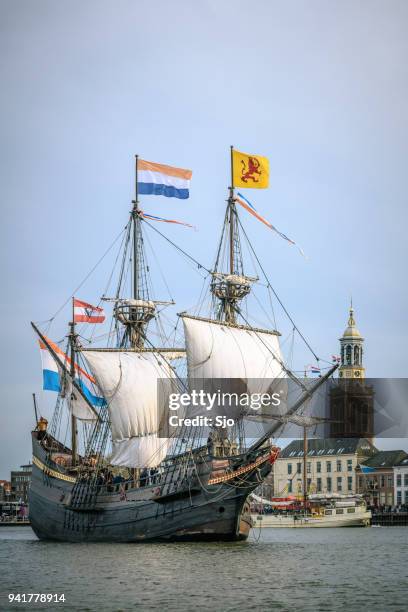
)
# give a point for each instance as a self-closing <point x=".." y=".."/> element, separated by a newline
<point x="318" y="87"/>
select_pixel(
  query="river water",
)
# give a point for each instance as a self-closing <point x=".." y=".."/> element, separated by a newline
<point x="277" y="569"/>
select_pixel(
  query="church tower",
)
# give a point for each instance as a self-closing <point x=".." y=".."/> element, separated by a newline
<point x="351" y="398"/>
<point x="351" y="347"/>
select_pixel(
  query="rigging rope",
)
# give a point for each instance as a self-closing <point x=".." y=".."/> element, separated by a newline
<point x="88" y="275"/>
<point x="200" y="266"/>
<point x="274" y="292"/>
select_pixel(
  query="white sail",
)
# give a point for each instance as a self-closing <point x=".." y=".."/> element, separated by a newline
<point x="222" y="351"/>
<point x="129" y="382"/>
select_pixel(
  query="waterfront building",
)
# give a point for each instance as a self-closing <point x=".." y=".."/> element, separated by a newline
<point x="5" y="490"/>
<point x="330" y="465"/>
<point x="352" y="399"/>
<point x="20" y="482"/>
<point x="401" y="482"/>
<point x="375" y="477"/>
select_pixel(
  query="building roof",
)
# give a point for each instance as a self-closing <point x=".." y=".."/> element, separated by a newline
<point x="321" y="447"/>
<point x="351" y="330"/>
<point x="385" y="459"/>
<point x="403" y="462"/>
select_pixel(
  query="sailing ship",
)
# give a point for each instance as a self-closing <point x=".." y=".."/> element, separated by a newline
<point x="125" y="481"/>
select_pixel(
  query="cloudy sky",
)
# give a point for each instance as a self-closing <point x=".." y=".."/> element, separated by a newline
<point x="319" y="87"/>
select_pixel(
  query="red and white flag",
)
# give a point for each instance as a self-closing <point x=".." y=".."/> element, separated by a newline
<point x="86" y="313"/>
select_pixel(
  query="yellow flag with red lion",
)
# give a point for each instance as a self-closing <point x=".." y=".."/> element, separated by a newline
<point x="250" y="171"/>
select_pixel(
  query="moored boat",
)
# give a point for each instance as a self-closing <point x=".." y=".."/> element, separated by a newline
<point x="322" y="511"/>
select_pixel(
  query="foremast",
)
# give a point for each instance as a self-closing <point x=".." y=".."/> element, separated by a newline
<point x="136" y="313"/>
<point x="72" y="344"/>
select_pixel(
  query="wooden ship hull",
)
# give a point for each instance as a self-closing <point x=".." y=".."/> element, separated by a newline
<point x="210" y="506"/>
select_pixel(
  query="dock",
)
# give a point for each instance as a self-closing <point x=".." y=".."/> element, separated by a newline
<point x="390" y="519"/>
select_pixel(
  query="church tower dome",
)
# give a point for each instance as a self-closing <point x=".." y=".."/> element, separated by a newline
<point x="351" y="347"/>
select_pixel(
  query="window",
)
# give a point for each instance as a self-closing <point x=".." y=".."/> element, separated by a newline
<point x="319" y="467"/>
<point x="299" y="468"/>
<point x="328" y="466"/>
<point x="339" y="483"/>
<point x="406" y="497"/>
<point x="338" y="467"/>
<point x="350" y="510"/>
<point x="405" y="480"/>
<point x="348" y="354"/>
<point x="349" y="465"/>
<point x="382" y="481"/>
<point x="289" y="468"/>
<point x="319" y="485"/>
<point x="308" y="467"/>
<point x="339" y="510"/>
<point x="309" y="482"/>
<point x="349" y="483"/>
<point x="329" y="485"/>
<point x="399" y="497"/>
<point x="361" y="482"/>
<point x="398" y="480"/>
<point x="390" y="482"/>
<point x="290" y="488"/>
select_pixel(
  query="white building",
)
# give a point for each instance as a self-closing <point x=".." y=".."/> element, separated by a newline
<point x="330" y="466"/>
<point x="401" y="482"/>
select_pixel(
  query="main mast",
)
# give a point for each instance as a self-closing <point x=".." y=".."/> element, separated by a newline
<point x="232" y="286"/>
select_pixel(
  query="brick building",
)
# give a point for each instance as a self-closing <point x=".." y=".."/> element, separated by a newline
<point x="5" y="490"/>
<point x="375" y="477"/>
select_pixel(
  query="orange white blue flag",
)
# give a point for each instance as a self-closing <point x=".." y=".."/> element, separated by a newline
<point x="52" y="374"/>
<point x="159" y="179"/>
<point x="251" y="209"/>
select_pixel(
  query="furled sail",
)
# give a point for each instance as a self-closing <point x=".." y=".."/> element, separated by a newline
<point x="130" y="382"/>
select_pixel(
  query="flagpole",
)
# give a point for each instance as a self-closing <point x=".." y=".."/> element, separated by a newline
<point x="231" y="212"/>
<point x="136" y="233"/>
